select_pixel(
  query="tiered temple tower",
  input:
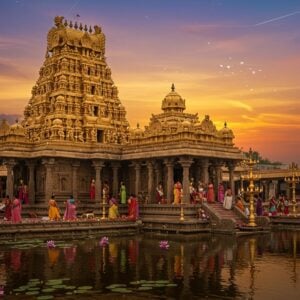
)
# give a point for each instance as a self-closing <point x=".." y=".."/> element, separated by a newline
<point x="75" y="98"/>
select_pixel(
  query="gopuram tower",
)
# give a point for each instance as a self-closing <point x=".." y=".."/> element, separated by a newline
<point x="75" y="98"/>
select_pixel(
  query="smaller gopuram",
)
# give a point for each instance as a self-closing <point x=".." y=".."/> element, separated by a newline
<point x="75" y="132"/>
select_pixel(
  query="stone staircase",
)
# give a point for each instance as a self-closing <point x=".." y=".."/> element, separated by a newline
<point x="224" y="220"/>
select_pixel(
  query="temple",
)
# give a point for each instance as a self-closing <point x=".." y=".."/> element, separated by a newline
<point x="75" y="130"/>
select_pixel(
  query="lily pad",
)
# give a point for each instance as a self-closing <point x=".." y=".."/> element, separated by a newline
<point x="48" y="290"/>
<point x="58" y="286"/>
<point x="69" y="293"/>
<point x="162" y="281"/>
<point x="32" y="293"/>
<point x="171" y="285"/>
<point x="121" y="290"/>
<point x="70" y="287"/>
<point x="54" y="282"/>
<point x="19" y="290"/>
<point x="34" y="289"/>
<point x="85" y="287"/>
<point x="117" y="285"/>
<point x="45" y="297"/>
<point x="80" y="291"/>
<point x="135" y="282"/>
<point x="144" y="288"/>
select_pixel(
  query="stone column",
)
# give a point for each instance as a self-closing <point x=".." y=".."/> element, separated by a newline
<point x="266" y="190"/>
<point x="170" y="179"/>
<point x="204" y="171"/>
<point x="31" y="182"/>
<point x="98" y="165"/>
<point x="115" y="168"/>
<point x="231" y="167"/>
<point x="137" y="168"/>
<point x="197" y="173"/>
<point x="157" y="170"/>
<point x="186" y="163"/>
<point x="10" y="177"/>
<point x="75" y="166"/>
<point x="150" y="181"/>
<point x="49" y="165"/>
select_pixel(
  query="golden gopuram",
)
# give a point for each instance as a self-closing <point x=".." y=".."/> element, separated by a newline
<point x="75" y="130"/>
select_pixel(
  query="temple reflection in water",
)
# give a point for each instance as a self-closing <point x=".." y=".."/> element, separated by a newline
<point x="201" y="265"/>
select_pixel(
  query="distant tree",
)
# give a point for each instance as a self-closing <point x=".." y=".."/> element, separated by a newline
<point x="262" y="161"/>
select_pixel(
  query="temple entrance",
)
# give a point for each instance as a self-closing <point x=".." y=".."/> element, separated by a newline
<point x="178" y="176"/>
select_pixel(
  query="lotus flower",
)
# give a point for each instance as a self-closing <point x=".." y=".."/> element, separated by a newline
<point x="104" y="241"/>
<point x="51" y="244"/>
<point x="164" y="245"/>
<point x="1" y="290"/>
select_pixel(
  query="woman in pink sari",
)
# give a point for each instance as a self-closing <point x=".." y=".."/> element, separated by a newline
<point x="221" y="193"/>
<point x="16" y="211"/>
<point x="70" y="212"/>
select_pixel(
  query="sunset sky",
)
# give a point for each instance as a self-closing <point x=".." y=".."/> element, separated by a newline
<point x="238" y="61"/>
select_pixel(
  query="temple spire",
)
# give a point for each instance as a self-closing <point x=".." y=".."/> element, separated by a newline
<point x="173" y="87"/>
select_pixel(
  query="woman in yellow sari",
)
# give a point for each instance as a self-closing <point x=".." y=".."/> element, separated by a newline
<point x="53" y="212"/>
<point x="177" y="192"/>
<point x="113" y="212"/>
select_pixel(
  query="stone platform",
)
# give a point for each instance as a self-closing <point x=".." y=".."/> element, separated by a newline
<point x="38" y="228"/>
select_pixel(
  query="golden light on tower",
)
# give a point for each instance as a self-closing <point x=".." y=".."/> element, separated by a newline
<point x="251" y="190"/>
<point x="292" y="180"/>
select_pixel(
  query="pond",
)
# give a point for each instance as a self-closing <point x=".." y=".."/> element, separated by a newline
<point x="136" y="267"/>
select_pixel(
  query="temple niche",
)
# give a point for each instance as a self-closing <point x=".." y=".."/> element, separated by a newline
<point x="75" y="130"/>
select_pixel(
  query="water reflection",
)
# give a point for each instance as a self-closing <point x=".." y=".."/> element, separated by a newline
<point x="257" y="267"/>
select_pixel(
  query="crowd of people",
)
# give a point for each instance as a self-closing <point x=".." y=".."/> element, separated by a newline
<point x="198" y="195"/>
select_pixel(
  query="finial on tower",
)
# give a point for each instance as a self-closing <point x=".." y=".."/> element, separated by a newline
<point x="173" y="87"/>
<point x="225" y="124"/>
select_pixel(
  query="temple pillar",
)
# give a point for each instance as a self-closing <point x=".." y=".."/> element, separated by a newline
<point x="115" y="185"/>
<point x="10" y="177"/>
<point x="98" y="165"/>
<point x="170" y="179"/>
<point x="266" y="190"/>
<point x="137" y="168"/>
<point x="197" y="173"/>
<point x="231" y="167"/>
<point x="49" y="165"/>
<point x="75" y="166"/>
<point x="186" y="163"/>
<point x="204" y="171"/>
<point x="217" y="177"/>
<point x="31" y="182"/>
<point x="157" y="170"/>
<point x="150" y="181"/>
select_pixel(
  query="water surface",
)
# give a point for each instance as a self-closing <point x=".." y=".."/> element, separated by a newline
<point x="194" y="267"/>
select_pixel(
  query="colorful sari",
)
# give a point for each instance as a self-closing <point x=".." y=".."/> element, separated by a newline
<point x="70" y="212"/>
<point x="53" y="212"/>
<point x="210" y="193"/>
<point x="177" y="192"/>
<point x="92" y="190"/>
<point x="123" y="194"/>
<point x="133" y="212"/>
<point x="16" y="211"/>
<point x="7" y="210"/>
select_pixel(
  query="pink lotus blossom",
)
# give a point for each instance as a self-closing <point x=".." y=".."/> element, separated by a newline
<point x="51" y="244"/>
<point x="104" y="241"/>
<point x="164" y="245"/>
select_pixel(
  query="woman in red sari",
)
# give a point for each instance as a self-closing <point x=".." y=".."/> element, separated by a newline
<point x="8" y="207"/>
<point x="133" y="209"/>
<point x="16" y="211"/>
<point x="210" y="193"/>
